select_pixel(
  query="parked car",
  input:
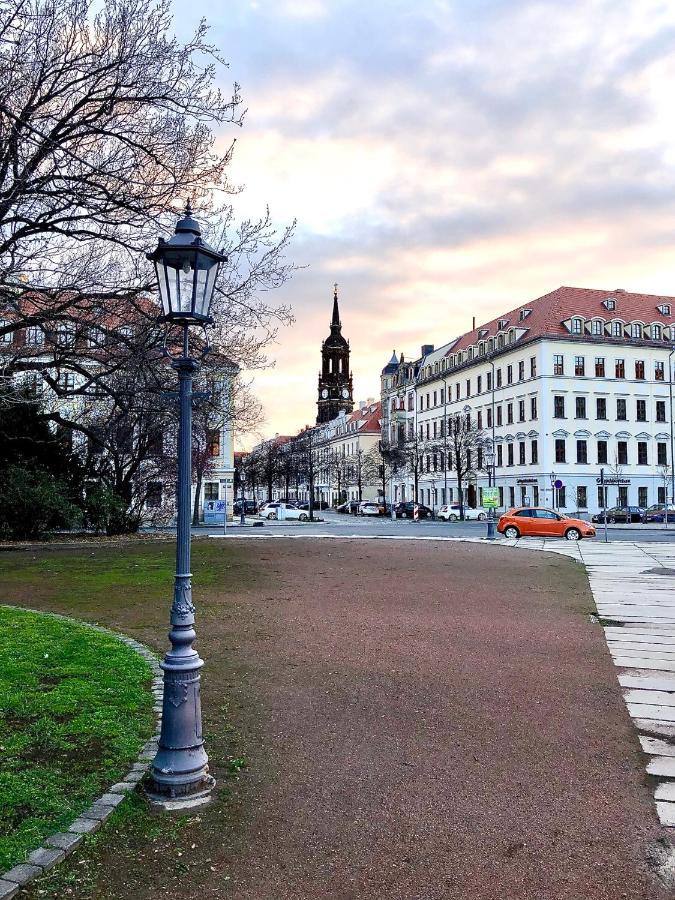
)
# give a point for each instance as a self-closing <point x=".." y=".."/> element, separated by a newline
<point x="453" y="512"/>
<point x="542" y="522"/>
<point x="369" y="508"/>
<point x="657" y="513"/>
<point x="350" y="506"/>
<point x="623" y="514"/>
<point x="406" y="510"/>
<point x="316" y="505"/>
<point x="250" y="507"/>
<point x="273" y="511"/>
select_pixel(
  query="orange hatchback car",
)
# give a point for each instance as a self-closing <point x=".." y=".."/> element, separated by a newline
<point x="531" y="521"/>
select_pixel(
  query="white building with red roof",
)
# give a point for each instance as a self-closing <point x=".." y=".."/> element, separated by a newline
<point x="568" y="385"/>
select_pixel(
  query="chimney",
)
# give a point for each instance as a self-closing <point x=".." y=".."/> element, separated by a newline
<point x="426" y="349"/>
<point x="370" y="400"/>
<point x="473" y="323"/>
<point x="362" y="404"/>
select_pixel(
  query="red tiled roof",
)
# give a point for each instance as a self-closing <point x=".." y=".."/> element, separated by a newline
<point x="550" y="311"/>
<point x="369" y="416"/>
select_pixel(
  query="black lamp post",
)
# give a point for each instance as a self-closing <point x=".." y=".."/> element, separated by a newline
<point x="186" y="269"/>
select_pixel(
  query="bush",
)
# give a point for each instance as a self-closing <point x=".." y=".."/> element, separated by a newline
<point x="104" y="510"/>
<point x="33" y="502"/>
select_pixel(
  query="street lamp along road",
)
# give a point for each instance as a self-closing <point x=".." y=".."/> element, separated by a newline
<point x="186" y="269"/>
<point x="489" y="457"/>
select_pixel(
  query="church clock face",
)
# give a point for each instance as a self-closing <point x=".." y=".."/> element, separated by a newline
<point x="324" y="393"/>
<point x="345" y="394"/>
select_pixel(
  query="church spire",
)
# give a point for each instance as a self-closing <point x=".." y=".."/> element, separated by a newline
<point x="335" y="321"/>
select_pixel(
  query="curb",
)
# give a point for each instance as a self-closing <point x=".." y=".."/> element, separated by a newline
<point x="61" y="844"/>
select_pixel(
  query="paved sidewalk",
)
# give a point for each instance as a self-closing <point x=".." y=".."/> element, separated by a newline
<point x="633" y="587"/>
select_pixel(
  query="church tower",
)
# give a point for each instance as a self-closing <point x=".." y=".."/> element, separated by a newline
<point x="335" y="379"/>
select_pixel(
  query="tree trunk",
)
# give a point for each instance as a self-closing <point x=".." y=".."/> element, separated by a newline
<point x="195" y="505"/>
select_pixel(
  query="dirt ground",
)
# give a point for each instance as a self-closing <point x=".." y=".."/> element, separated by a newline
<point x="420" y="721"/>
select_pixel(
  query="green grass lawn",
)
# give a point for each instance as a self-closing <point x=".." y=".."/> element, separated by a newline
<point x="74" y="712"/>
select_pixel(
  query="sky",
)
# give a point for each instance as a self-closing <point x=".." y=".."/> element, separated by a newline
<point x="446" y="160"/>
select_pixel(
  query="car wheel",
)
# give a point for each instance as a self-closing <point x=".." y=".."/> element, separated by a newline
<point x="573" y="534"/>
<point x="481" y="517"/>
<point x="404" y="515"/>
<point x="303" y="517"/>
<point x="611" y="521"/>
<point x="452" y="518"/>
<point x="272" y="515"/>
<point x="511" y="532"/>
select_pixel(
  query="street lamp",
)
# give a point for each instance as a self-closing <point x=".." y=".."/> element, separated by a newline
<point x="466" y="427"/>
<point x="489" y="456"/>
<point x="186" y="270"/>
<point x="672" y="438"/>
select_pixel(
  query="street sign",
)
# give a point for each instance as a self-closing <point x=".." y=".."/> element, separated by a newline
<point x="557" y="484"/>
<point x="490" y="497"/>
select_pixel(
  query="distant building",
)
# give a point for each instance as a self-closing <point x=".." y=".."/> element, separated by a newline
<point x="335" y="394"/>
<point x="567" y="385"/>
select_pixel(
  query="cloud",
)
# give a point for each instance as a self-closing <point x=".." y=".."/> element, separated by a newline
<point x="448" y="159"/>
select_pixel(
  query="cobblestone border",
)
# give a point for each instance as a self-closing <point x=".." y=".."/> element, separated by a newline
<point x="57" y="846"/>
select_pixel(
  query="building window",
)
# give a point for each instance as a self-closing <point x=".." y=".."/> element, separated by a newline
<point x="580" y="411"/>
<point x="559" y="407"/>
<point x="521" y="410"/>
<point x="35" y="336"/>
<point x="642" y="497"/>
<point x="621" y="410"/>
<point x="596" y="327"/>
<point x="509" y="454"/>
<point x="661" y="494"/>
<point x="489" y="380"/>
<point x="599" y="366"/>
<point x="468" y="387"/>
<point x="512" y="496"/>
<point x="509" y="374"/>
<point x="65" y="334"/>
<point x="153" y="497"/>
<point x="533" y="367"/>
<point x="66" y="381"/>
<point x="211" y="490"/>
<point x="499" y="415"/>
<point x="642" y="453"/>
<point x="521" y="453"/>
<point x="411" y="402"/>
<point x="619" y="369"/>
<point x="435" y="398"/>
<point x="661" y="454"/>
<point x="499" y="377"/>
<point x="577" y="326"/>
<point x="641" y="411"/>
<point x="479" y="384"/>
<point x="610" y="304"/>
<point x="602" y="496"/>
<point x="660" y="410"/>
<point x="656" y="332"/>
<point x="489" y="418"/>
<point x="509" y="413"/>
<point x="602" y="452"/>
<point x="560" y="450"/>
<point x="500" y="456"/>
<point x="623" y="495"/>
<point x="622" y="453"/>
<point x="640" y="369"/>
<point x="534" y="453"/>
<point x="457" y="390"/>
<point x="479" y="420"/>
<point x="582" y="452"/>
<point x="617" y="329"/>
<point x="521" y="370"/>
<point x="600" y="408"/>
<point x="558" y="365"/>
<point x="579" y="365"/>
<point x="213" y="443"/>
<point x="636" y="330"/>
<point x="659" y="372"/>
<point x="582" y="502"/>
<point x="561" y="498"/>
<point x="533" y="407"/>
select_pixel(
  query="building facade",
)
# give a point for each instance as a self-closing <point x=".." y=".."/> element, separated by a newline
<point x="570" y="388"/>
<point x="335" y="389"/>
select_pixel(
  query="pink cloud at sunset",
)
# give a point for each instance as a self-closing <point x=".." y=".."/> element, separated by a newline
<point x="446" y="160"/>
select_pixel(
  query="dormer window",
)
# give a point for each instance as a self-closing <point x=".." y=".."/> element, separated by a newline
<point x="524" y="313"/>
<point x="664" y="309"/>
<point x="617" y="329"/>
<point x="483" y="332"/>
<point x="512" y="336"/>
<point x="609" y="303"/>
<point x="481" y="349"/>
<point x="470" y="353"/>
<point x="636" y="330"/>
<point x="596" y="327"/>
<point x="503" y="323"/>
<point x="500" y="341"/>
<point x="656" y="332"/>
<point x="577" y="326"/>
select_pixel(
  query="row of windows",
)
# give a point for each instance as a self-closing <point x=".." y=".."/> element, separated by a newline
<point x="617" y="328"/>
<point x="64" y="334"/>
<point x="580" y="409"/>
<point x="600" y="368"/>
<point x="436" y="398"/>
<point x="620" y="458"/>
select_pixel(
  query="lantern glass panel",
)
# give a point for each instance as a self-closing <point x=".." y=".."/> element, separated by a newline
<point x="185" y="284"/>
<point x="160" y="270"/>
<point x="207" y="269"/>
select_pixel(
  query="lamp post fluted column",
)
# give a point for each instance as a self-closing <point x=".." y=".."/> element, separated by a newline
<point x="180" y="768"/>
